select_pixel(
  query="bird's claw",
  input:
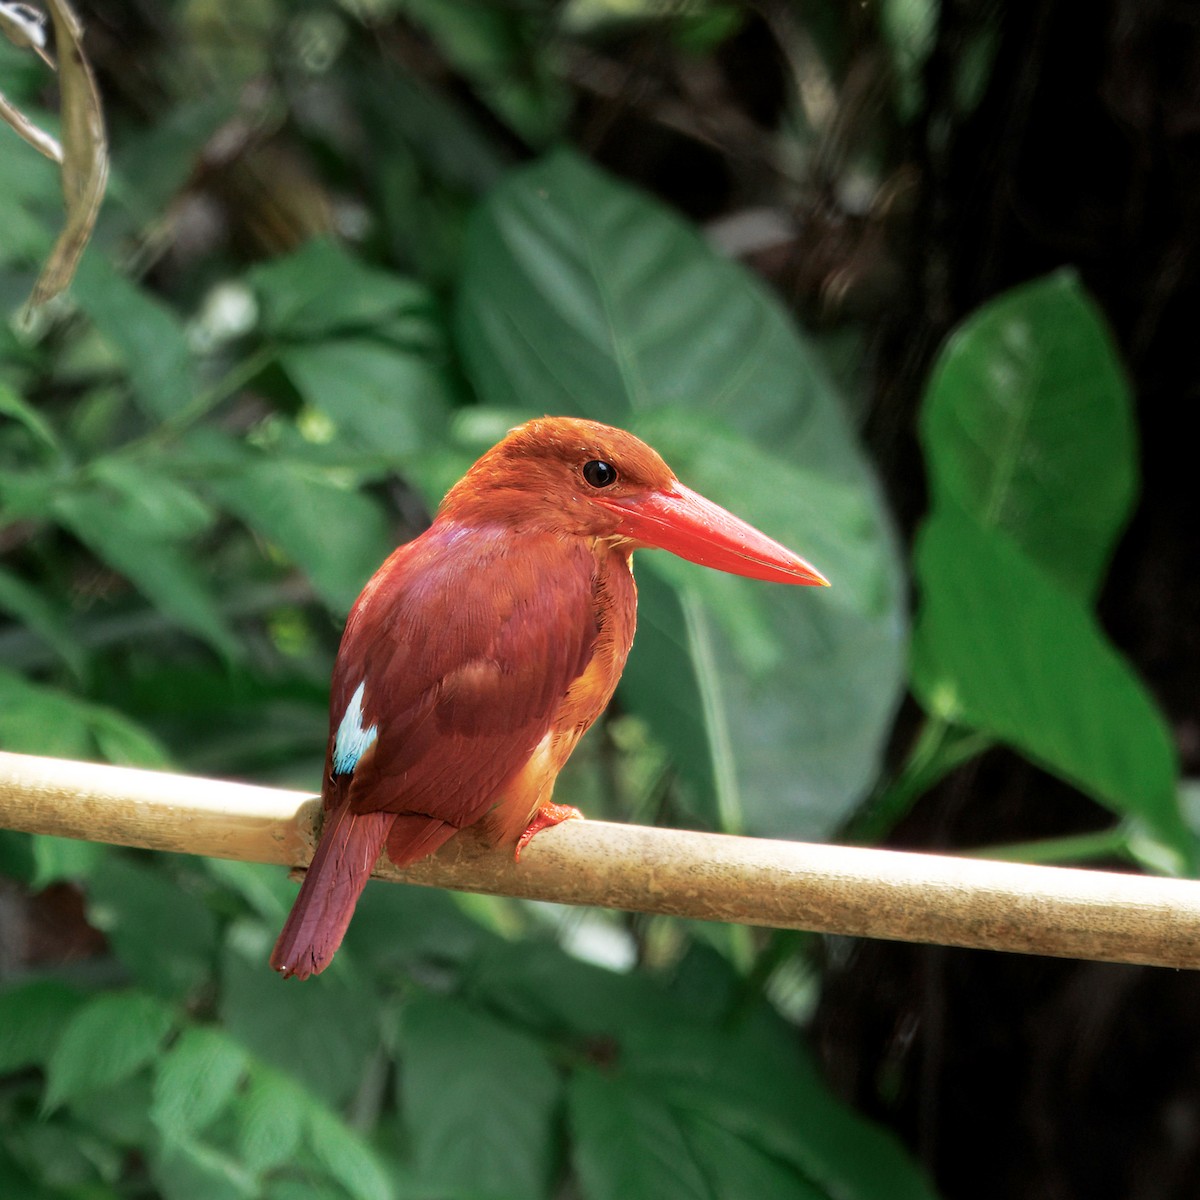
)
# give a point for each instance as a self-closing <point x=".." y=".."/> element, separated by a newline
<point x="547" y="815"/>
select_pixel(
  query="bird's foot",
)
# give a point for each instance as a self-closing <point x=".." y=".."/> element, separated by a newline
<point x="547" y="815"/>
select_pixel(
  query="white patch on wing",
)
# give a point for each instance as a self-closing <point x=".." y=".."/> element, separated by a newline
<point x="352" y="741"/>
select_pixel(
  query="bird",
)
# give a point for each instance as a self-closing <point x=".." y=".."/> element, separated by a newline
<point x="480" y="652"/>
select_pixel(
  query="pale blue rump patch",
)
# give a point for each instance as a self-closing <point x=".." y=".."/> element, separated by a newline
<point x="352" y="741"/>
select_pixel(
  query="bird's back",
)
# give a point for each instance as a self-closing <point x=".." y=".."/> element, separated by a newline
<point x="469" y="668"/>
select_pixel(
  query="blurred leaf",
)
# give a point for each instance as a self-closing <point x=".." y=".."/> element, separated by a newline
<point x="195" y="1081"/>
<point x="158" y="503"/>
<point x="136" y="536"/>
<point x="33" y="1016"/>
<point x="676" y="1070"/>
<point x="56" y="858"/>
<point x="396" y="927"/>
<point x="11" y="405"/>
<point x="153" y="162"/>
<point x="265" y="888"/>
<point x="41" y="616"/>
<point x="29" y="191"/>
<point x="122" y="742"/>
<point x="580" y="295"/>
<point x="1028" y="426"/>
<point x="380" y="397"/>
<point x="464" y="1069"/>
<point x="264" y="1012"/>
<point x="65" y="1157"/>
<point x="321" y="291"/>
<point x="270" y="1120"/>
<point x="344" y="1154"/>
<point x="41" y="720"/>
<point x="661" y="683"/>
<point x="909" y="28"/>
<point x="337" y="535"/>
<point x="1000" y="646"/>
<point x="164" y="934"/>
<point x="146" y="335"/>
<point x="501" y="50"/>
<point x="192" y="1170"/>
<point x="84" y="152"/>
<point x="15" y="1180"/>
<point x="106" y="1041"/>
<point x="658" y="1159"/>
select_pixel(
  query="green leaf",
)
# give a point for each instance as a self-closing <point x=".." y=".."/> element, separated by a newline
<point x="42" y="720"/>
<point x="337" y="535"/>
<point x="11" y="405"/>
<point x="271" y="1120"/>
<point x="164" y="933"/>
<point x="380" y="397"/>
<point x="41" y="616"/>
<point x="628" y="1145"/>
<point x="192" y="1170"/>
<point x="464" y="1069"/>
<point x="501" y="50"/>
<point x="346" y="1157"/>
<point x="33" y="1017"/>
<point x="264" y="1012"/>
<point x="147" y="337"/>
<point x="579" y="295"/>
<point x="661" y="683"/>
<point x="56" y="858"/>
<point x="1002" y="647"/>
<point x="111" y="526"/>
<point x="105" y="1042"/>
<point x="321" y="290"/>
<point x="1028" y="426"/>
<point x="196" y="1081"/>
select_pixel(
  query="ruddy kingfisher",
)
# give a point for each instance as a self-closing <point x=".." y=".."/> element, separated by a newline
<point x="480" y="652"/>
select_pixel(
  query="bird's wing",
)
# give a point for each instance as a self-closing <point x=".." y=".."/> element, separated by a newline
<point x="453" y="664"/>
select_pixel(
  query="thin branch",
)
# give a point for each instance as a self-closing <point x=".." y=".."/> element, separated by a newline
<point x="788" y="885"/>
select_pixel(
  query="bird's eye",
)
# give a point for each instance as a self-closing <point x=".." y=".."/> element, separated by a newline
<point x="599" y="474"/>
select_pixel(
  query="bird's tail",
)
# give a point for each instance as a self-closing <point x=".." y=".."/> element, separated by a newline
<point x="335" y="879"/>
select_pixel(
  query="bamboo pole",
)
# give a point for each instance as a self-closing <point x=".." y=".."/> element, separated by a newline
<point x="933" y="898"/>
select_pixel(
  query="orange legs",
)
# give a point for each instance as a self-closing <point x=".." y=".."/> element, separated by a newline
<point x="547" y="815"/>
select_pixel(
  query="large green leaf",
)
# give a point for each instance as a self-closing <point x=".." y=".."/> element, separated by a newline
<point x="664" y="683"/>
<point x="1028" y="426"/>
<point x="463" y="1069"/>
<point x="580" y="295"/>
<point x="1001" y="646"/>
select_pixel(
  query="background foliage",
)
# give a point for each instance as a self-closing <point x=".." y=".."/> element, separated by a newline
<point x="345" y="248"/>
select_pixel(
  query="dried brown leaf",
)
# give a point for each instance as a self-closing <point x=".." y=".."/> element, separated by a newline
<point x="84" y="153"/>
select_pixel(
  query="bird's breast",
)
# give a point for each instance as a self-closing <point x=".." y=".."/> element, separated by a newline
<point x="614" y="598"/>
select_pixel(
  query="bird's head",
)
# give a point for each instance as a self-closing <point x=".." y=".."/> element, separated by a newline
<point x="581" y="478"/>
